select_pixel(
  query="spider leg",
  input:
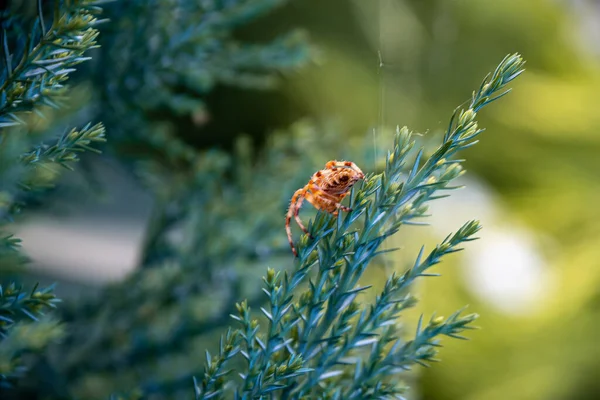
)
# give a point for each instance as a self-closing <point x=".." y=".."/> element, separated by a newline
<point x="344" y="208"/>
<point x="293" y="210"/>
<point x="347" y="209"/>
<point x="297" y="210"/>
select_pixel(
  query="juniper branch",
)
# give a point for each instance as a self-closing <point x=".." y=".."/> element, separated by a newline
<point x="338" y="256"/>
<point x="396" y="203"/>
<point x="22" y="328"/>
<point x="354" y="335"/>
<point x="16" y="305"/>
<point x="47" y="60"/>
<point x="65" y="150"/>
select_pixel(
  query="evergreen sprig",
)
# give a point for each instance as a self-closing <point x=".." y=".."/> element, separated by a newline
<point x="32" y="170"/>
<point x="313" y="310"/>
<point x="65" y="150"/>
<point x="349" y="335"/>
<point x="47" y="57"/>
<point x="16" y="305"/>
<point x="24" y="326"/>
<point x="213" y="383"/>
<point x="28" y="170"/>
<point x="44" y="60"/>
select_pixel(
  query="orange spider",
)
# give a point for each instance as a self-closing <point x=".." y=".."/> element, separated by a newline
<point x="324" y="191"/>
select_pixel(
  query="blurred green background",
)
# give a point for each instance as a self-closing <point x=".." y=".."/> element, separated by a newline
<point x="534" y="180"/>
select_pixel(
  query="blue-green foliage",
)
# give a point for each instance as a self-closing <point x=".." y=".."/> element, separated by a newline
<point x="320" y="341"/>
<point x="36" y="69"/>
<point x="37" y="61"/>
<point x="21" y="329"/>
<point x="313" y="335"/>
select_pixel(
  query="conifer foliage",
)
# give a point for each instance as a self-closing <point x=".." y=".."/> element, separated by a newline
<point x="310" y="332"/>
<point x="37" y="62"/>
<point x="320" y="340"/>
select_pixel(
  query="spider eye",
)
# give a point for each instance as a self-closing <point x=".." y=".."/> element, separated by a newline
<point x="344" y="178"/>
